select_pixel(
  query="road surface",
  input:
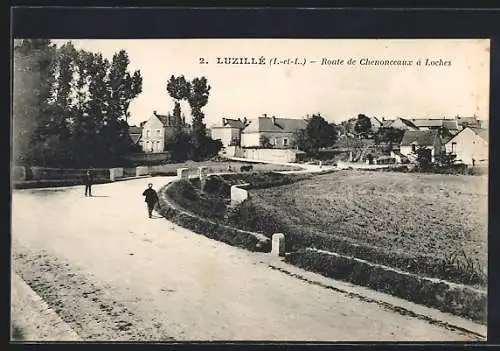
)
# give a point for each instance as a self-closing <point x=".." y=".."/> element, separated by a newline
<point x="113" y="274"/>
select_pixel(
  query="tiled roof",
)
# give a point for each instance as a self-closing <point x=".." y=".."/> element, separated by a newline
<point x="483" y="133"/>
<point x="230" y="123"/>
<point x="234" y="123"/>
<point x="451" y="124"/>
<point x="387" y="123"/>
<point x="428" y="122"/>
<point x="420" y="137"/>
<point x="408" y="122"/>
<point x="135" y="137"/>
<point x="469" y="120"/>
<point x="167" y="120"/>
<point x="134" y="130"/>
<point x="265" y="124"/>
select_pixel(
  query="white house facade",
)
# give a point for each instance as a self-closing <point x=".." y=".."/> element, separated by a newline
<point x="470" y="146"/>
<point x="157" y="130"/>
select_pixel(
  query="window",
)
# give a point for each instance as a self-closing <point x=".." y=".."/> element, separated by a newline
<point x="158" y="132"/>
<point x="285" y="142"/>
<point x="148" y="133"/>
<point x="413" y="147"/>
<point x="148" y="146"/>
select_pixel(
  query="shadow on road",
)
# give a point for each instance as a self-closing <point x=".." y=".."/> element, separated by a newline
<point x="99" y="196"/>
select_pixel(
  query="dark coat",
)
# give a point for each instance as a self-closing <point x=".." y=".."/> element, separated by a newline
<point x="151" y="196"/>
<point x="88" y="179"/>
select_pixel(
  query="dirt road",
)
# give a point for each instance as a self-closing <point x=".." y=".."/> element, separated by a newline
<point x="113" y="274"/>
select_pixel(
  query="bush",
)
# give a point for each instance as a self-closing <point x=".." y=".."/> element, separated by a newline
<point x="210" y="229"/>
<point x="185" y="195"/>
<point x="217" y="185"/>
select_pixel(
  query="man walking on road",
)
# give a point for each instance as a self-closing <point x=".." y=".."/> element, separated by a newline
<point x="151" y="198"/>
<point x="88" y="180"/>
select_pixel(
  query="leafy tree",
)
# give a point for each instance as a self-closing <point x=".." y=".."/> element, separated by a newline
<point x="446" y="159"/>
<point x="265" y="142"/>
<point x="178" y="88"/>
<point x="363" y="125"/>
<point x="177" y="115"/>
<point x="197" y="99"/>
<point x="235" y="142"/>
<point x="196" y="93"/>
<point x="180" y="147"/>
<point x="389" y="135"/>
<point x="33" y="78"/>
<point x="70" y="107"/>
<point x="317" y="134"/>
<point x="424" y="157"/>
<point x="123" y="86"/>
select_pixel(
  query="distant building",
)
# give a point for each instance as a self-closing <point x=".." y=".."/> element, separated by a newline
<point x="400" y="123"/>
<point x="158" y="129"/>
<point x="415" y="139"/>
<point x="470" y="146"/>
<point x="280" y="132"/>
<point x="229" y="131"/>
<point x="451" y="125"/>
<point x="472" y="122"/>
<point x="376" y="124"/>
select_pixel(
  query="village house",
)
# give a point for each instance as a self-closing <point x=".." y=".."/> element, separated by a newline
<point x="158" y="129"/>
<point x="376" y="124"/>
<point x="415" y="139"/>
<point x="280" y="132"/>
<point x="229" y="131"/>
<point x="450" y="125"/>
<point x="470" y="146"/>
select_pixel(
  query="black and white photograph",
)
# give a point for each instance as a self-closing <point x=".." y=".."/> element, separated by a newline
<point x="173" y="190"/>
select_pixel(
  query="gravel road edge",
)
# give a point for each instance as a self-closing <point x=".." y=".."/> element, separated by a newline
<point x="31" y="319"/>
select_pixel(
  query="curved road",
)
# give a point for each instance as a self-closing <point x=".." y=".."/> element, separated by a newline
<point x="113" y="274"/>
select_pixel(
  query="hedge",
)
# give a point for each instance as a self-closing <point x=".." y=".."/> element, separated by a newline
<point x="240" y="238"/>
<point x="452" y="298"/>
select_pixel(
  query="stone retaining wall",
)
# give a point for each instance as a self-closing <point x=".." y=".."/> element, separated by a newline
<point x="448" y="297"/>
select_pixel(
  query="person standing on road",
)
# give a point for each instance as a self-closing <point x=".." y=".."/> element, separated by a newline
<point x="88" y="180"/>
<point x="151" y="198"/>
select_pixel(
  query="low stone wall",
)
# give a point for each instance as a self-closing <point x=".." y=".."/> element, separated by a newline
<point x="356" y="165"/>
<point x="447" y="297"/>
<point x="44" y="173"/>
<point x="269" y="155"/>
<point x="232" y="236"/>
<point x="115" y="173"/>
<point x="239" y="193"/>
<point x="183" y="173"/>
<point x="141" y="171"/>
<point x="18" y="173"/>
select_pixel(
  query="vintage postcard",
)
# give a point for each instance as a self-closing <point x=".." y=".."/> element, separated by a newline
<point x="250" y="190"/>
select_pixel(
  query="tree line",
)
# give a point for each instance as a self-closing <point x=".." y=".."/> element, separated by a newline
<point x="70" y="107"/>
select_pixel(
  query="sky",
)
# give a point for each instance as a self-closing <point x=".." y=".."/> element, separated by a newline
<point x="337" y="91"/>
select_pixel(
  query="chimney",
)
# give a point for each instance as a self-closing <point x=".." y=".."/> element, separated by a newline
<point x="224" y="121"/>
<point x="154" y="113"/>
<point x="265" y="115"/>
<point x="274" y="119"/>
